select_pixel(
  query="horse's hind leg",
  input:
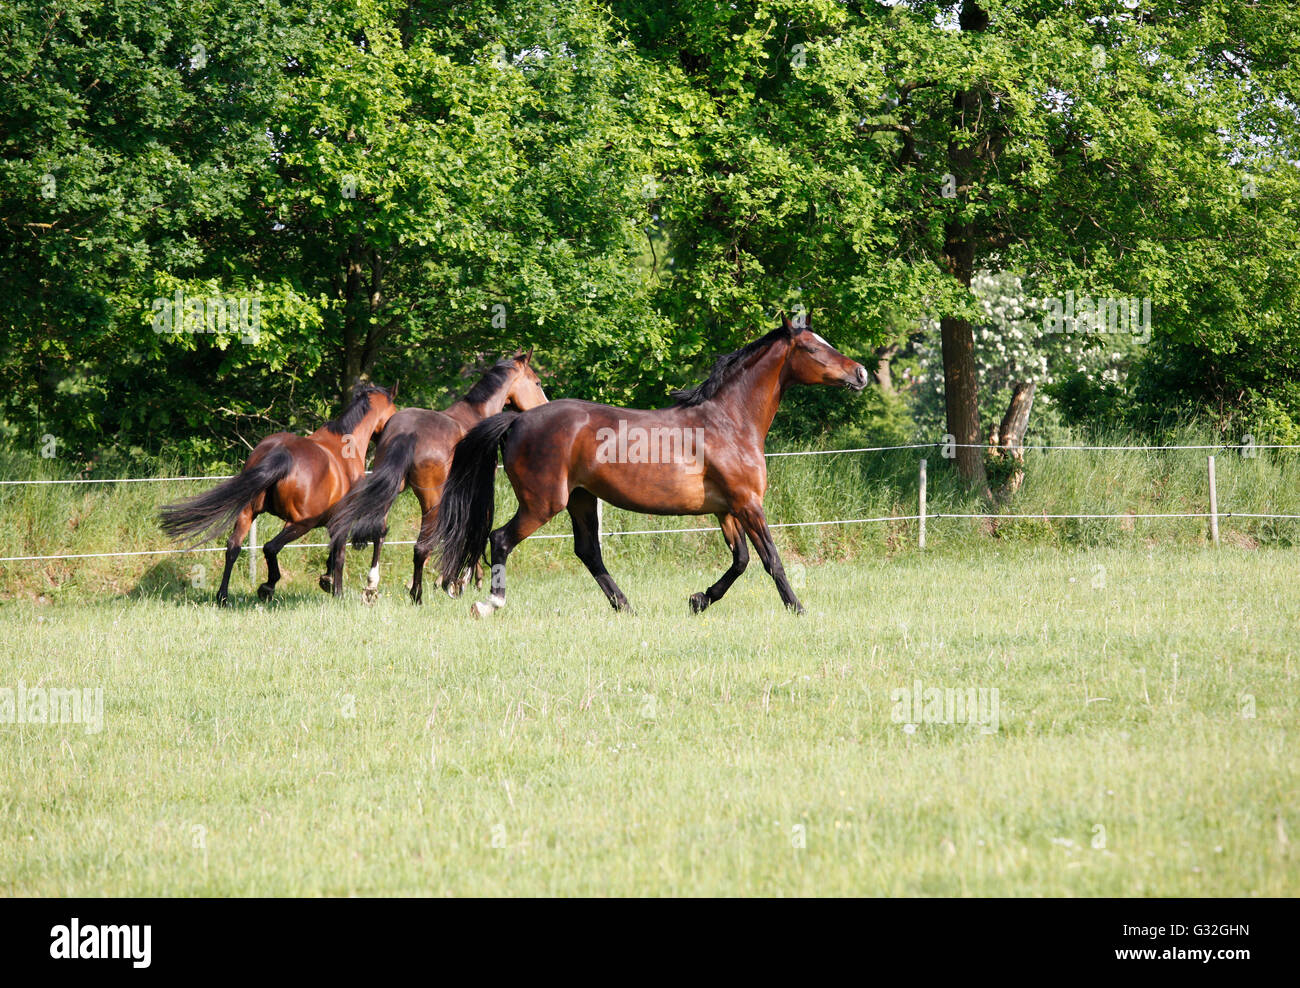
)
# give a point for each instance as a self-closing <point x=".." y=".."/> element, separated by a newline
<point x="503" y="542"/>
<point x="331" y="580"/>
<point x="233" y="545"/>
<point x="735" y="536"/>
<point x="371" y="591"/>
<point x="291" y="531"/>
<point x="586" y="545"/>
<point x="423" y="546"/>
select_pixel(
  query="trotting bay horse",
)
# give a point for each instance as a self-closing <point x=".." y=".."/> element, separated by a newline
<point x="299" y="479"/>
<point x="702" y="455"/>
<point x="416" y="452"/>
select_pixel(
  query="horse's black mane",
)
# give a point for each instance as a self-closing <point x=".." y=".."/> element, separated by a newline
<point x="491" y="381"/>
<point x="357" y="408"/>
<point x="725" y="367"/>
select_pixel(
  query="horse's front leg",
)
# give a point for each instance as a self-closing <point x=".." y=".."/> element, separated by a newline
<point x="754" y="522"/>
<point x="735" y="536"/>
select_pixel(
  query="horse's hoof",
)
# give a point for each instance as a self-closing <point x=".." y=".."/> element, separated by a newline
<point x="370" y="594"/>
<point x="222" y="601"/>
<point x="265" y="592"/>
<point x="482" y="608"/>
<point x="699" y="601"/>
<point x="326" y="583"/>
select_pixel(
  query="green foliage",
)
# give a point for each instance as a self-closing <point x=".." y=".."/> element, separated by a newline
<point x="828" y="418"/>
<point x="1119" y="152"/>
<point x="1245" y="384"/>
<point x="411" y="187"/>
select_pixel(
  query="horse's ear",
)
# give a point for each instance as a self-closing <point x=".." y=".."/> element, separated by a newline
<point x="393" y="394"/>
<point x="528" y="357"/>
<point x="786" y="324"/>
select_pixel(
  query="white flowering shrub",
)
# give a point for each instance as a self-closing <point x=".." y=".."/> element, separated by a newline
<point x="1012" y="344"/>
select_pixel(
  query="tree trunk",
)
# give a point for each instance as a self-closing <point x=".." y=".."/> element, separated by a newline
<point x="960" y="383"/>
<point x="1010" y="436"/>
<point x="960" y="387"/>
<point x="1011" y="433"/>
<point x="884" y="374"/>
<point x="961" y="399"/>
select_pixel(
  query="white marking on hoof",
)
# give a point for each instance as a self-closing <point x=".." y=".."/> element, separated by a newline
<point x="372" y="578"/>
<point x="457" y="587"/>
<point x="483" y="608"/>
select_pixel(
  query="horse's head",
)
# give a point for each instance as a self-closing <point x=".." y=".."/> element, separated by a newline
<point x="814" y="361"/>
<point x="525" y="386"/>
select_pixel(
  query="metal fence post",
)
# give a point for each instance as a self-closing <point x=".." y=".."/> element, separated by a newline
<point x="922" y="506"/>
<point x="1214" y="507"/>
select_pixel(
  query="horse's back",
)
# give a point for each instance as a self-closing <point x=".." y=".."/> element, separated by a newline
<point x="434" y="437"/>
<point x="648" y="460"/>
<point x="570" y="416"/>
<point x="432" y="429"/>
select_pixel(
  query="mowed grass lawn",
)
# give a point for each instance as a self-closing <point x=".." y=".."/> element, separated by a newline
<point x="1145" y="742"/>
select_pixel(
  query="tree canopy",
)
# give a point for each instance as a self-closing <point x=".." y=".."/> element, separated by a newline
<point x="399" y="190"/>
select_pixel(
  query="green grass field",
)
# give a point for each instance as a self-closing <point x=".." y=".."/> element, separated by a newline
<point x="1147" y="703"/>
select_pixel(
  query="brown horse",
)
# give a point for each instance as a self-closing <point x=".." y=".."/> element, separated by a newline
<point x="416" y="452"/>
<point x="703" y="455"/>
<point x="294" y="478"/>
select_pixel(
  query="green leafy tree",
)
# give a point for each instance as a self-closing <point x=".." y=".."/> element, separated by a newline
<point x="873" y="157"/>
<point x="130" y="136"/>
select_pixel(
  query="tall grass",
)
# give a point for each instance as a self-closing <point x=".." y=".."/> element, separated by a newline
<point x="82" y="518"/>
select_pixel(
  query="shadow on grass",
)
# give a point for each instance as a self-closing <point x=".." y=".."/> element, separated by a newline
<point x="182" y="582"/>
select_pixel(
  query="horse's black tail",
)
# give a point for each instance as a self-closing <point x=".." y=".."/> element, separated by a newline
<point x="363" y="512"/>
<point x="465" y="513"/>
<point x="208" y="514"/>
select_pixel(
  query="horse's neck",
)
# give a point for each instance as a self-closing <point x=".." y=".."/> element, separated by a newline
<point x="469" y="413"/>
<point x="754" y="395"/>
<point x="356" y="445"/>
<point x="364" y="430"/>
<point x="465" y="414"/>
